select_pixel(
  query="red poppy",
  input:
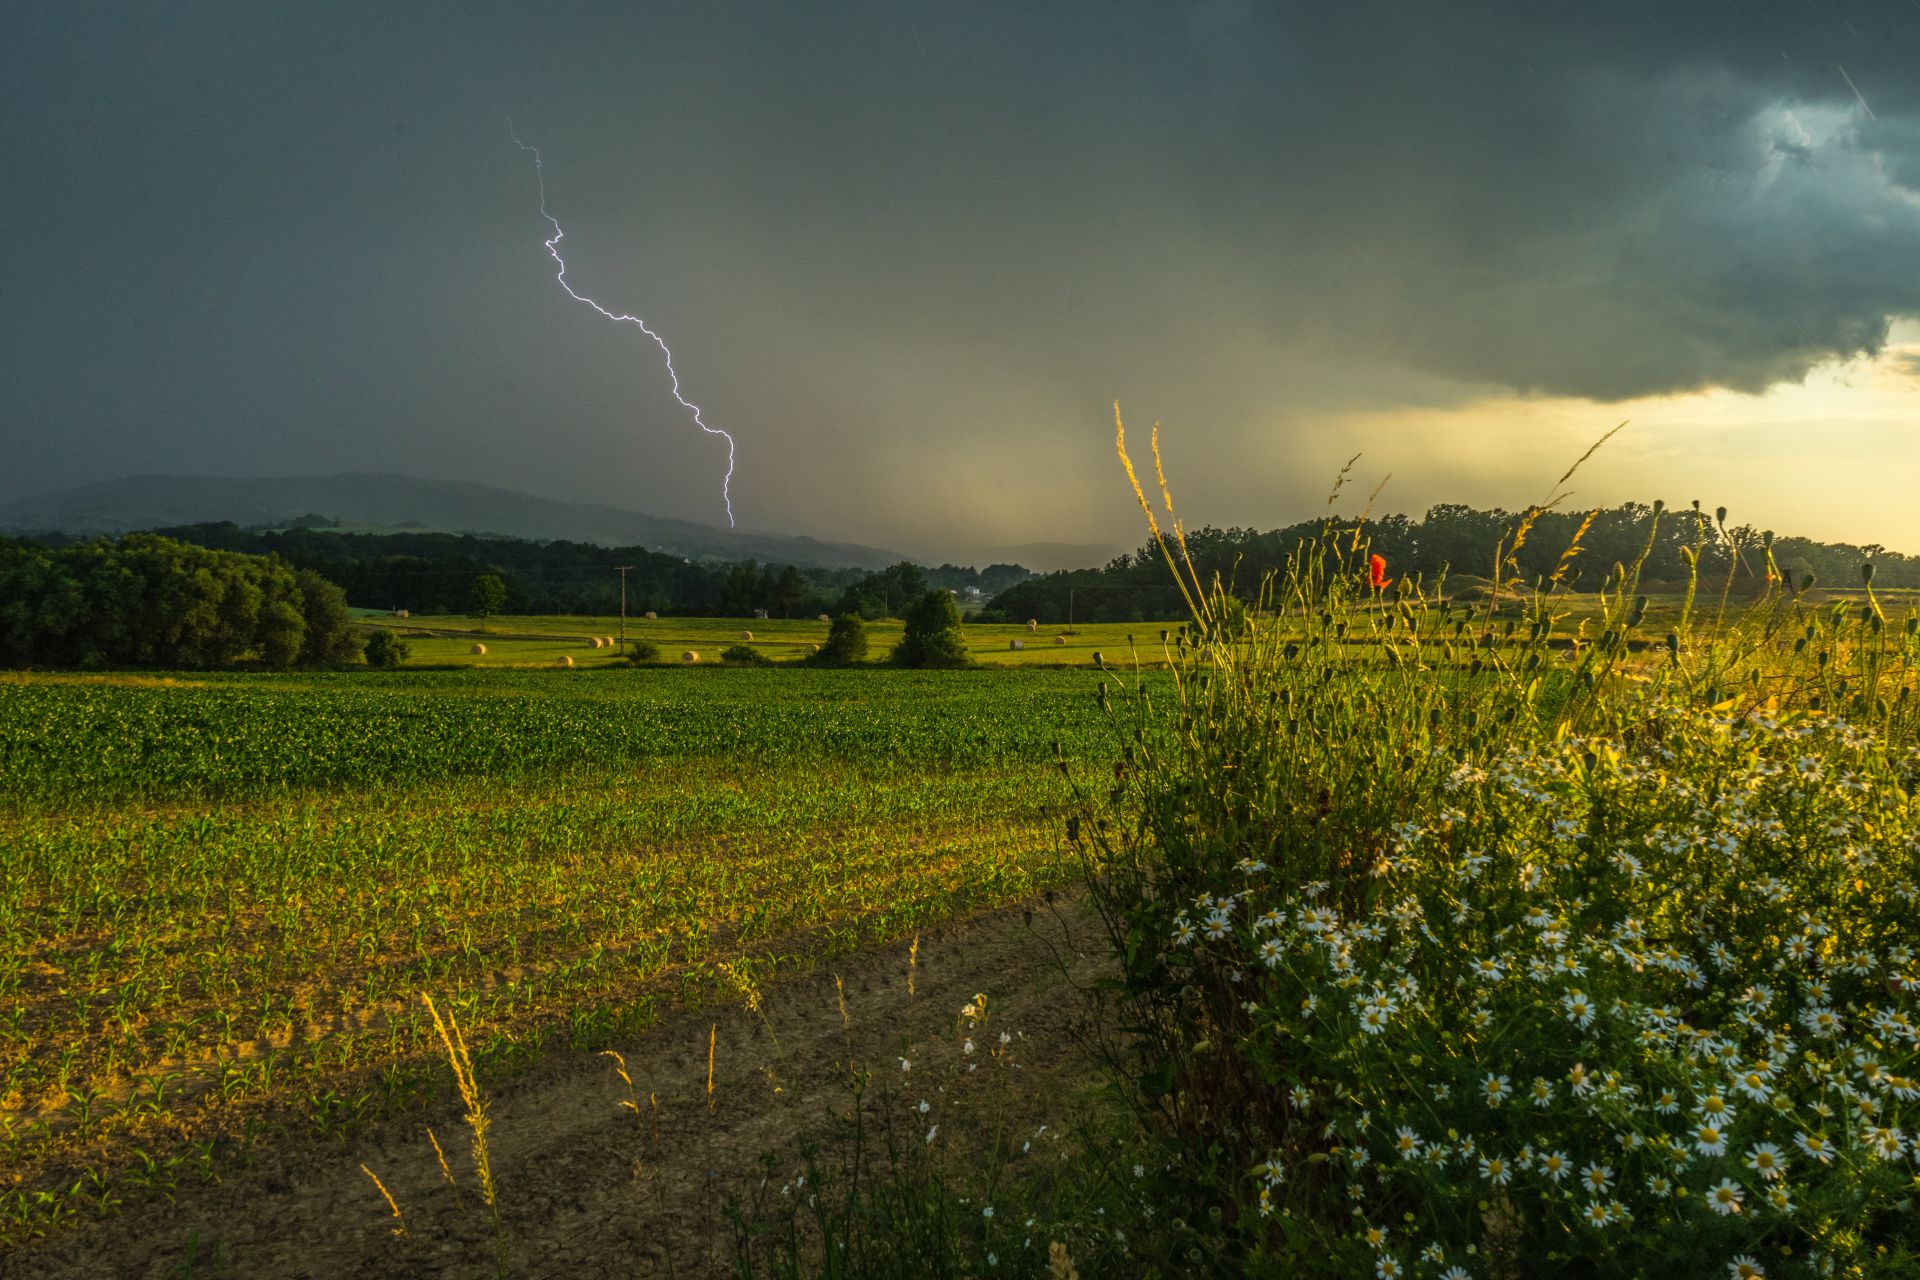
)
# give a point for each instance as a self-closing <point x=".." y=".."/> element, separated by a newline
<point x="1377" y="573"/>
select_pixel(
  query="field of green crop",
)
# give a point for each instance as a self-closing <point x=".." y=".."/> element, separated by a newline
<point x="223" y="895"/>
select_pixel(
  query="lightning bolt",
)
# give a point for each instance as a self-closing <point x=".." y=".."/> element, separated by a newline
<point x="553" y="248"/>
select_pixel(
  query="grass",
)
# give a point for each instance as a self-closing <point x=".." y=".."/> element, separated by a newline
<point x="543" y="641"/>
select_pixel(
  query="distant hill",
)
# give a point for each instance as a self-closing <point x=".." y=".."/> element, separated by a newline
<point x="380" y="500"/>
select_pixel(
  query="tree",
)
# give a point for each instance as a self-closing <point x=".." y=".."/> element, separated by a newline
<point x="489" y="593"/>
<point x="932" y="637"/>
<point x="329" y="635"/>
<point x="385" y="650"/>
<point x="846" y="642"/>
<point x="785" y="591"/>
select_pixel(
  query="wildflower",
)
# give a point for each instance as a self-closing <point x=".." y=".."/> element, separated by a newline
<point x="1659" y="1187"/>
<point x="1765" y="1159"/>
<point x="1667" y="1103"/>
<point x="1579" y="1008"/>
<point x="1597" y="1177"/>
<point x="1580" y="1079"/>
<point x="1555" y="1165"/>
<point x="1597" y="1215"/>
<point x="987" y="1212"/>
<point x="1780" y="1199"/>
<point x="1407" y="1143"/>
<point x="1456" y="1272"/>
<point x="1377" y="572"/>
<point x="1714" y="1107"/>
<point x="1725" y="1196"/>
<point x="1709" y="1139"/>
<point x="1377" y="1237"/>
<point x="1888" y="1144"/>
<point x="1497" y="1089"/>
<point x="1744" y="1267"/>
<point x="1495" y="1170"/>
<point x="1542" y="1091"/>
<point x="1388" y="1268"/>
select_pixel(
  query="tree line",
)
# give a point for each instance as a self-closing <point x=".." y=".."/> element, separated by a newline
<point x="436" y="573"/>
<point x="1462" y="541"/>
<point x="146" y="600"/>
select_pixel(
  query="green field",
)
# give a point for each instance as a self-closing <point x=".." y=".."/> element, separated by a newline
<point x="544" y="641"/>
<point x="224" y="894"/>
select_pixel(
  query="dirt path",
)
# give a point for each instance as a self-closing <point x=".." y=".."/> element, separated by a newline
<point x="586" y="1187"/>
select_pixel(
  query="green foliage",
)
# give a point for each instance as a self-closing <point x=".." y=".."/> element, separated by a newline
<point x="846" y="643"/>
<point x="932" y="637"/>
<point x="149" y="601"/>
<point x="642" y="651"/>
<point x="1442" y="941"/>
<point x="329" y="636"/>
<point x="385" y="650"/>
<point x="744" y="655"/>
<point x="489" y="594"/>
<point x="886" y="594"/>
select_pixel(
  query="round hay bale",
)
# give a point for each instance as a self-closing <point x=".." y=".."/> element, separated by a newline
<point x="689" y="656"/>
<point x="611" y="642"/>
<point x="651" y="615"/>
<point x="596" y="642"/>
<point x="403" y="613"/>
<point x="1059" y="639"/>
<point x="477" y="650"/>
<point x="825" y="618"/>
<point x="1033" y="624"/>
<point x="1016" y="644"/>
<point x="746" y="635"/>
<point x="564" y="660"/>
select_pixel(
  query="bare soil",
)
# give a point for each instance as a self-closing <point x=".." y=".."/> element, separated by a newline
<point x="587" y="1187"/>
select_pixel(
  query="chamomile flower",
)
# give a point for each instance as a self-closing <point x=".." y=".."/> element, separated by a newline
<point x="1766" y="1160"/>
<point x="1709" y="1139"/>
<point x="1724" y="1197"/>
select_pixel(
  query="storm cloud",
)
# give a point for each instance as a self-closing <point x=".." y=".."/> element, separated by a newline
<point x="908" y="253"/>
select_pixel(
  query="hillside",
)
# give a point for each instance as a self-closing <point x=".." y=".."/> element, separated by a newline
<point x="383" y="500"/>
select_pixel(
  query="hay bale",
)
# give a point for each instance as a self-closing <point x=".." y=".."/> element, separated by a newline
<point x="403" y="613"/>
<point x="746" y="635"/>
<point x="596" y="642"/>
<point x="1059" y="639"/>
<point x="825" y="618"/>
<point x="564" y="660"/>
<point x="478" y="650"/>
<point x="651" y="615"/>
<point x="689" y="656"/>
<point x="612" y="643"/>
<point x="1033" y="624"/>
<point x="1016" y="644"/>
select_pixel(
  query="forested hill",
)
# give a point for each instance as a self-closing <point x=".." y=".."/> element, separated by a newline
<point x="1460" y="539"/>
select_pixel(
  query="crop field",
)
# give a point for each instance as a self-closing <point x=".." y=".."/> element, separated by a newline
<point x="225" y="894"/>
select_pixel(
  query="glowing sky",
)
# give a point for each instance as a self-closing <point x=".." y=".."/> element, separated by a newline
<point x="909" y="253"/>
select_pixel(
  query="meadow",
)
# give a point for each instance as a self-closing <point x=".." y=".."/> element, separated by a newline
<point x="226" y="893"/>
<point x="544" y="641"/>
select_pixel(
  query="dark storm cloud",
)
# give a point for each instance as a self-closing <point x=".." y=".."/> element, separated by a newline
<point x="908" y="251"/>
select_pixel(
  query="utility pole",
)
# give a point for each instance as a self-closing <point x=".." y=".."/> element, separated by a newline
<point x="622" y="570"/>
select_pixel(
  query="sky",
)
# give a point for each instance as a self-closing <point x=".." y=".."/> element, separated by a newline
<point x="909" y="254"/>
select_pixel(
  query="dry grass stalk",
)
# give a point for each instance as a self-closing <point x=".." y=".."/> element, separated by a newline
<point x="470" y="1096"/>
<point x="400" y="1221"/>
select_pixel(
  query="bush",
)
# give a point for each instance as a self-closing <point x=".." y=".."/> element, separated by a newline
<point x="643" y="651"/>
<point x="744" y="655"/>
<point x="932" y="637"/>
<point x="846" y="643"/>
<point x="386" y="650"/>
<point x="1448" y="961"/>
